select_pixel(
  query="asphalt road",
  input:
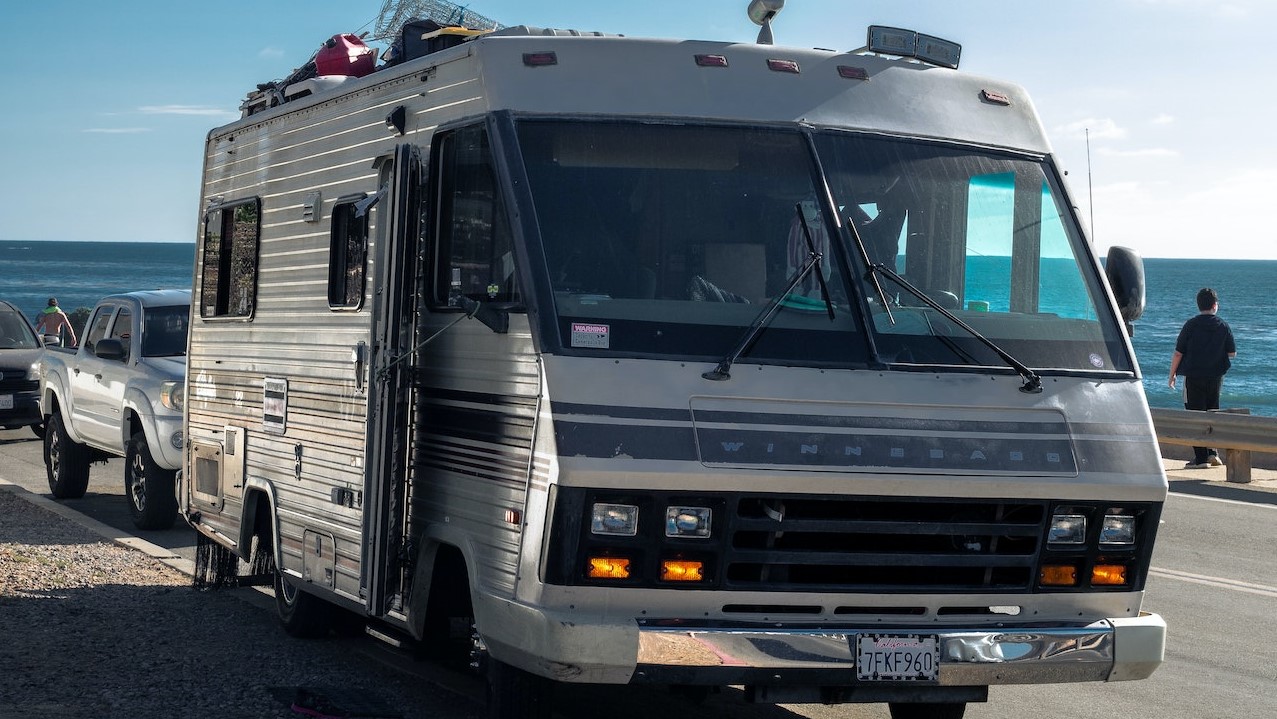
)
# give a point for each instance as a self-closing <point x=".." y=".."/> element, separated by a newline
<point x="1214" y="580"/>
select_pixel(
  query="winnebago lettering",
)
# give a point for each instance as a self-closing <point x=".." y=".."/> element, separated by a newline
<point x="615" y="360"/>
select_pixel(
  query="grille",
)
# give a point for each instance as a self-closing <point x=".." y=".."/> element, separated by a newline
<point x="883" y="544"/>
<point x="19" y="385"/>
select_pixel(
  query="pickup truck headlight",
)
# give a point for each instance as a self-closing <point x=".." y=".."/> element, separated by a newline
<point x="33" y="372"/>
<point x="173" y="395"/>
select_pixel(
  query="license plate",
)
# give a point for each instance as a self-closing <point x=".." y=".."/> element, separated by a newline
<point x="897" y="657"/>
<point x="6" y="401"/>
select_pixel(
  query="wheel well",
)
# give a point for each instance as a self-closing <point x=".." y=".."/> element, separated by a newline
<point x="449" y="584"/>
<point x="256" y="522"/>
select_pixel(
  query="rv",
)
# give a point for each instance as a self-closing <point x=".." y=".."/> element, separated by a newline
<point x="671" y="362"/>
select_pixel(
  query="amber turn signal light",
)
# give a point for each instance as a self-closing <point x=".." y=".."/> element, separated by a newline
<point x="609" y="568"/>
<point x="1108" y="575"/>
<point x="1058" y="575"/>
<point x="676" y="570"/>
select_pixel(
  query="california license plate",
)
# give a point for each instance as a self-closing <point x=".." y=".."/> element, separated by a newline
<point x="897" y="657"/>
<point x="6" y="401"/>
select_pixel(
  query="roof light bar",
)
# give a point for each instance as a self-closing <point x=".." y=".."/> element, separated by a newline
<point x="907" y="43"/>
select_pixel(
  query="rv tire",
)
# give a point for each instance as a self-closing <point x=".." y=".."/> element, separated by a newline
<point x="514" y="693"/>
<point x="302" y="614"/>
<point x="66" y="461"/>
<point x="948" y="710"/>
<point x="148" y="487"/>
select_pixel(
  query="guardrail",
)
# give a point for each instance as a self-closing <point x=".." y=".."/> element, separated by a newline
<point x="1232" y="431"/>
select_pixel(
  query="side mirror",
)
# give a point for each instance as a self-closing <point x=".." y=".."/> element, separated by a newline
<point x="1125" y="271"/>
<point x="110" y="349"/>
<point x="494" y="315"/>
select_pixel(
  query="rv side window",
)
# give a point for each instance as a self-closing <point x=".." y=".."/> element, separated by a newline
<point x="347" y="255"/>
<point x="475" y="252"/>
<point x="228" y="287"/>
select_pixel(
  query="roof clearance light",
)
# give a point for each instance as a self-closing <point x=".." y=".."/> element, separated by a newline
<point x="995" y="97"/>
<point x="783" y="66"/>
<point x="892" y="41"/>
<point x="711" y="61"/>
<point x="540" y="59"/>
<point x="907" y="43"/>
<point x="938" y="51"/>
<point x="853" y="73"/>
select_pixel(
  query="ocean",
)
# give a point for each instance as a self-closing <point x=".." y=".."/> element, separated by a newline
<point x="79" y="273"/>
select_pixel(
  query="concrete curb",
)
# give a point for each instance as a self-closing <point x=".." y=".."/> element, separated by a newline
<point x="106" y="531"/>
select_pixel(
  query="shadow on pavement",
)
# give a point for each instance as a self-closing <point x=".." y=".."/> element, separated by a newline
<point x="1217" y="490"/>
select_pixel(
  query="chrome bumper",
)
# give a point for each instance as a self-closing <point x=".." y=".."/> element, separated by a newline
<point x="1107" y="650"/>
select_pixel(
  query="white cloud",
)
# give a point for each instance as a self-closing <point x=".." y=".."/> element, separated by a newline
<point x="183" y="110"/>
<point x="117" y="130"/>
<point x="1098" y="128"/>
<point x="1163" y="119"/>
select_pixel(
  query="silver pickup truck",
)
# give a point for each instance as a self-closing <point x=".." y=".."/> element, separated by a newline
<point x="120" y="394"/>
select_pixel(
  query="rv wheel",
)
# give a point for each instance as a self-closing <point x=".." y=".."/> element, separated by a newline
<point x="302" y="615"/>
<point x="66" y="461"/>
<point x="950" y="710"/>
<point x="514" y="693"/>
<point x="148" y="487"/>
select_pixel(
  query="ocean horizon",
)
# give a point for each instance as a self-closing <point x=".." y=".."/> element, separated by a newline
<point x="79" y="273"/>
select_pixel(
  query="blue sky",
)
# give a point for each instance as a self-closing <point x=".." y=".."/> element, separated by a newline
<point x="109" y="103"/>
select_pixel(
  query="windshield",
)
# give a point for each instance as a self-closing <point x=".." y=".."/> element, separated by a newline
<point x="670" y="240"/>
<point x="15" y="333"/>
<point x="165" y="331"/>
<point x="985" y="236"/>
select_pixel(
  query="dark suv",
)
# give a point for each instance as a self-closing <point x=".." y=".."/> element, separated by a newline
<point x="19" y="371"/>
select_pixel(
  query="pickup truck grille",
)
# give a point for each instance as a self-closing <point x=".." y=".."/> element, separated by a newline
<point x="19" y="385"/>
<point x="887" y="545"/>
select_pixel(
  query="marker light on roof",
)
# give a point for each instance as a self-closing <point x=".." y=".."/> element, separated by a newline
<point x="783" y="66"/>
<point x="907" y="43"/>
<point x="853" y="73"/>
<point x="538" y="59"/>
<point x="711" y="61"/>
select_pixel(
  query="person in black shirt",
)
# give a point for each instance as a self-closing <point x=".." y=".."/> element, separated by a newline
<point x="1202" y="353"/>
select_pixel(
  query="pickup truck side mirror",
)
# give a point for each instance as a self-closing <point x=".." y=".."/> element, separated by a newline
<point x="111" y="349"/>
<point x="1125" y="271"/>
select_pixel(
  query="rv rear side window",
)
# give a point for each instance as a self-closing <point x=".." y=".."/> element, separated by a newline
<point x="228" y="285"/>
<point x="347" y="256"/>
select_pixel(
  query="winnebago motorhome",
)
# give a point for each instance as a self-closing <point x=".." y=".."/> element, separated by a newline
<point x="676" y="363"/>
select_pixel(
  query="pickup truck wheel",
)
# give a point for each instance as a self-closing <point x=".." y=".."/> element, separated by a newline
<point x="38" y="430"/>
<point x="950" y="710"/>
<point x="66" y="461"/>
<point x="148" y="487"/>
<point x="302" y="615"/>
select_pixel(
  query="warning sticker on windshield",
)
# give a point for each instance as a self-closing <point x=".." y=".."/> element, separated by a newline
<point x="588" y="335"/>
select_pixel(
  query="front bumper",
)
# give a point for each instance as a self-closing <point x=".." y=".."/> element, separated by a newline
<point x="578" y="650"/>
<point x="163" y="450"/>
<point x="25" y="409"/>
<point x="1107" y="650"/>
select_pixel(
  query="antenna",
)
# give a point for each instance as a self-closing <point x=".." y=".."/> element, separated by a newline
<point x="1090" y="195"/>
<point x="394" y="13"/>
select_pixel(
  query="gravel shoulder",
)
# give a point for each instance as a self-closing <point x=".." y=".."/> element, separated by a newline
<point x="89" y="628"/>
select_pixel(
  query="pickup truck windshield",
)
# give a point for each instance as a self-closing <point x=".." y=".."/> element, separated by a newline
<point x="165" y="331"/>
<point x="667" y="240"/>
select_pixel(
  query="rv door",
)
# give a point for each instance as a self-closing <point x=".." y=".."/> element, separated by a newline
<point x="394" y="311"/>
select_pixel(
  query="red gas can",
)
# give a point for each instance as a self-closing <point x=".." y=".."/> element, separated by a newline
<point x="345" y="55"/>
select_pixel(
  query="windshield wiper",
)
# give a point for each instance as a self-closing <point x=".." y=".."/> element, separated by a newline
<point x="1032" y="382"/>
<point x="723" y="370"/>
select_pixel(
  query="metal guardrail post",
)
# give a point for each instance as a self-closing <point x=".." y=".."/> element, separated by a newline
<point x="1237" y="461"/>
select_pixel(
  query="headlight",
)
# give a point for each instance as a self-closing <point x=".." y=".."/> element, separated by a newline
<point x="614" y="519"/>
<point x="173" y="395"/>
<point x="1117" y="529"/>
<point x="692" y="522"/>
<point x="1067" y="529"/>
<point x="33" y="372"/>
